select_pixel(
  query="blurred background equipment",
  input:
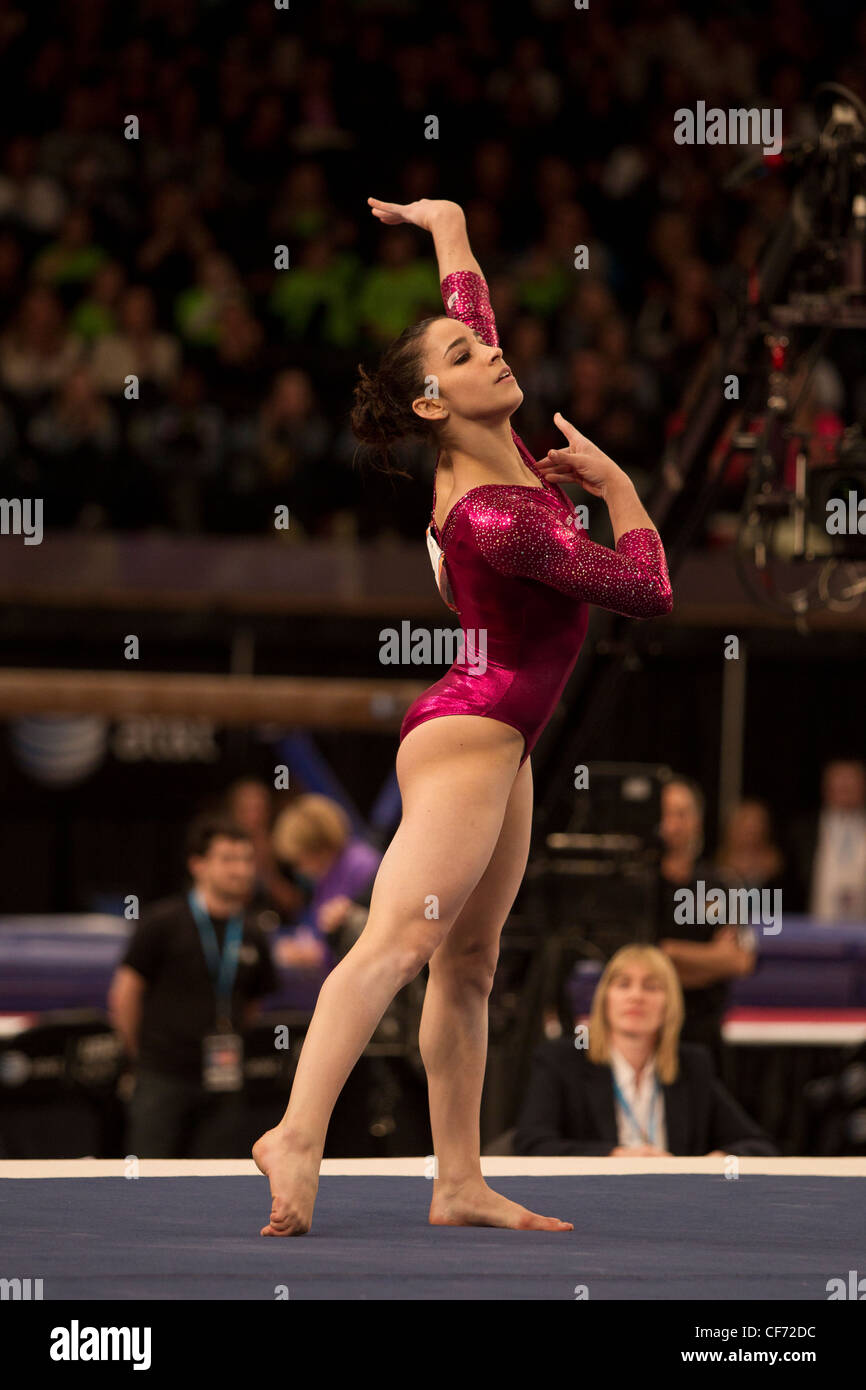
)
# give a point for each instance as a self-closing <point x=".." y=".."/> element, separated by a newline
<point x="595" y="883"/>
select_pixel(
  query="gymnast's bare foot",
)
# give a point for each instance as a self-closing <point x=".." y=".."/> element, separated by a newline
<point x="293" y="1171"/>
<point x="473" y="1203"/>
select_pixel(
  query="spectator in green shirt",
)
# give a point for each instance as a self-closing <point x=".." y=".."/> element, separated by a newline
<point x="320" y="287"/>
<point x="96" y="314"/>
<point x="398" y="291"/>
<point x="197" y="309"/>
<point x="74" y="257"/>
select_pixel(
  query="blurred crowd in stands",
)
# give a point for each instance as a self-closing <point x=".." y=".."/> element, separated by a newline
<point x="155" y="257"/>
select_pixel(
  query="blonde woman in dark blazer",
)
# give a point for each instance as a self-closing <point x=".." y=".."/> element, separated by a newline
<point x="635" y="1089"/>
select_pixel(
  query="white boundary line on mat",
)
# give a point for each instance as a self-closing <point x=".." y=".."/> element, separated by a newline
<point x="421" y="1167"/>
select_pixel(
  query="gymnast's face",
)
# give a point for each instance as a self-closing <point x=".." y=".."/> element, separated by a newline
<point x="636" y="1002"/>
<point x="465" y="377"/>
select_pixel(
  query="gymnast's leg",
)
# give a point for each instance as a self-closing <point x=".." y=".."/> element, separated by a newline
<point x="453" y="1034"/>
<point x="455" y="775"/>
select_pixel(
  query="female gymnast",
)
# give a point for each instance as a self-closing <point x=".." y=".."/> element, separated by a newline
<point x="521" y="569"/>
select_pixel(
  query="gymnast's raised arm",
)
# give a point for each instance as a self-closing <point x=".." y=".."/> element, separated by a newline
<point x="464" y="289"/>
<point x="445" y="221"/>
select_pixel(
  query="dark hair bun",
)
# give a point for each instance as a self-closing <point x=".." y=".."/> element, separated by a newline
<point x="375" y="418"/>
<point x="382" y="415"/>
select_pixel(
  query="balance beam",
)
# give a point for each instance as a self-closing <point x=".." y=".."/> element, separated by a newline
<point x="314" y="703"/>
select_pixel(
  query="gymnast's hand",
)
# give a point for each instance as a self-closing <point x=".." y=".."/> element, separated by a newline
<point x="582" y="462"/>
<point x="422" y="214"/>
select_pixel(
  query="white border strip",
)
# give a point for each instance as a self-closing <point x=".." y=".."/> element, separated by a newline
<point x="420" y="1167"/>
<point x="797" y="1034"/>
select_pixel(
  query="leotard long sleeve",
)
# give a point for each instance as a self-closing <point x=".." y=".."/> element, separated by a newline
<point x="530" y="537"/>
<point x="522" y="570"/>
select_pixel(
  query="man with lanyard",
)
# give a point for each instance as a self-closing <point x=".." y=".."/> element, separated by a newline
<point x="181" y="998"/>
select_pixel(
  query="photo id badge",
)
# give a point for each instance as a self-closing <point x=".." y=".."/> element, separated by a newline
<point x="223" y="1062"/>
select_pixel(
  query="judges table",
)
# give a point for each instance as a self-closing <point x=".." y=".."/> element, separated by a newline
<point x="794" y="1019"/>
<point x="59" y="1057"/>
<point x="808" y="988"/>
<point x="809" y="976"/>
<point x="63" y="962"/>
<point x="795" y="1027"/>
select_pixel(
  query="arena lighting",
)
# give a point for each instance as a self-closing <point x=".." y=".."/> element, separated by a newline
<point x="801" y="542"/>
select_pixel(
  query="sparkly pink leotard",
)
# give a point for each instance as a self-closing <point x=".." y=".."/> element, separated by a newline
<point x="522" y="570"/>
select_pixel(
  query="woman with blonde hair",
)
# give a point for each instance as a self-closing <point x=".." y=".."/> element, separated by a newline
<point x="635" y="1090"/>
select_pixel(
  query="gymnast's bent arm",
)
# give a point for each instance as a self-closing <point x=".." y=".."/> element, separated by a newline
<point x="632" y="579"/>
<point x="524" y="538"/>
